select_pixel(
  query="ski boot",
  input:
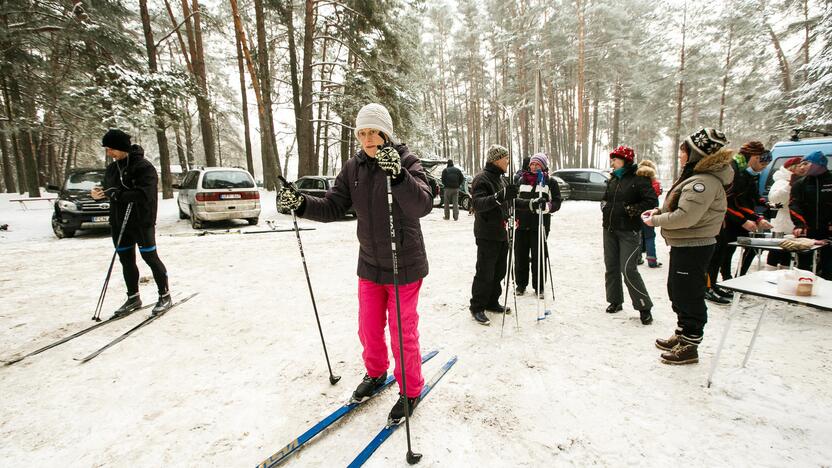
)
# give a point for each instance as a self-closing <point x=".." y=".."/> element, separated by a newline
<point x="396" y="415"/>
<point x="133" y="302"/>
<point x="164" y="303"/>
<point x="367" y="388"/>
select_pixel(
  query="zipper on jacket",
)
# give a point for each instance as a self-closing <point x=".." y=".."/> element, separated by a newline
<point x="614" y="197"/>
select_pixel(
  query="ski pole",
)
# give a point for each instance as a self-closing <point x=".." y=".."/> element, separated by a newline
<point x="412" y="457"/>
<point x="333" y="379"/>
<point x="96" y="316"/>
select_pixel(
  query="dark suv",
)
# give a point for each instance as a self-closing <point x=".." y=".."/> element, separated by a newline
<point x="74" y="208"/>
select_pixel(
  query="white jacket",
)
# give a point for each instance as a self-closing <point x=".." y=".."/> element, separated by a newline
<point x="780" y="193"/>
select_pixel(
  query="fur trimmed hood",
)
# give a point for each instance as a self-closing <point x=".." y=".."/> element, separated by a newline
<point x="647" y="162"/>
<point x="718" y="164"/>
<point x="646" y="171"/>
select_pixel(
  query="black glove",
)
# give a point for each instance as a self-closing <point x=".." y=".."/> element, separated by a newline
<point x="388" y="159"/>
<point x="290" y="199"/>
<point x="632" y="210"/>
<point x="542" y="200"/>
<point x="508" y="193"/>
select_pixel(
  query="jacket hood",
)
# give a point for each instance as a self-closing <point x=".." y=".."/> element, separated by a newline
<point x="782" y="174"/>
<point x="646" y="171"/>
<point x="717" y="164"/>
<point x="136" y="152"/>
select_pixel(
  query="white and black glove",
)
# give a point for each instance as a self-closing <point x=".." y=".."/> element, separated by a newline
<point x="289" y="199"/>
<point x="539" y="202"/>
<point x="389" y="161"/>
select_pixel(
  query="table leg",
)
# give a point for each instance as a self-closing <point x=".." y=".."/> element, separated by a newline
<point x="734" y="305"/>
<point x="815" y="262"/>
<point x="754" y="336"/>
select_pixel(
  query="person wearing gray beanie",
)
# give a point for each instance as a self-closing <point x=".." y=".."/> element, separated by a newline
<point x="491" y="197"/>
<point x="362" y="185"/>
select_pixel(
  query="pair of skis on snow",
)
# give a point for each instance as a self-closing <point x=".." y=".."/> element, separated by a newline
<point x="117" y="340"/>
<point x="376" y="442"/>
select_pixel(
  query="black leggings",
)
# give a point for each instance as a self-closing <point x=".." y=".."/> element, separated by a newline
<point x="146" y="240"/>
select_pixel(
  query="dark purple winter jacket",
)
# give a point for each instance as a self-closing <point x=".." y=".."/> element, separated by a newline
<point x="361" y="184"/>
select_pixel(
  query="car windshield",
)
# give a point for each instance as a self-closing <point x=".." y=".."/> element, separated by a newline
<point x="227" y="179"/>
<point x="85" y="181"/>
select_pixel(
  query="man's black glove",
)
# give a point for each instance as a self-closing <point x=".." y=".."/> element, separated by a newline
<point x="541" y="201"/>
<point x="289" y="199"/>
<point x="632" y="210"/>
<point x="508" y="193"/>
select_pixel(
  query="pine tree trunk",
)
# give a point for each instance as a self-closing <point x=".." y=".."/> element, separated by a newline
<point x="5" y="153"/>
<point x="806" y="40"/>
<point x="581" y="59"/>
<point x="261" y="80"/>
<point x="180" y="151"/>
<point x="680" y="94"/>
<point x="158" y="113"/>
<point x="594" y="126"/>
<point x="29" y="164"/>
<point x="785" y="72"/>
<point x="70" y="153"/>
<point x="187" y="125"/>
<point x="305" y="126"/>
<point x="616" y="113"/>
<point x="725" y="78"/>
<point x="194" y="31"/>
<point x="244" y="99"/>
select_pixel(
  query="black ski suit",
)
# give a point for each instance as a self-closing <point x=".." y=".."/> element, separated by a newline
<point x="134" y="180"/>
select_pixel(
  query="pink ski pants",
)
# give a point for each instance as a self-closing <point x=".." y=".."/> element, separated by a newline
<point x="376" y="308"/>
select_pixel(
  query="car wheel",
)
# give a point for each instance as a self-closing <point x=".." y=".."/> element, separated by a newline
<point x="59" y="230"/>
<point x="465" y="203"/>
<point x="195" y="222"/>
<point x="253" y="221"/>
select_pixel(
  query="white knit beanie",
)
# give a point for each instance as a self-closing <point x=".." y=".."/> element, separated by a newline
<point x="375" y="116"/>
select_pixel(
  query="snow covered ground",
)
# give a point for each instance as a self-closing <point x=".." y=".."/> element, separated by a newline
<point x="235" y="374"/>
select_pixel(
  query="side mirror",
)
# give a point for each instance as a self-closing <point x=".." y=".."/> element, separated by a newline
<point x="176" y="186"/>
<point x="52" y="188"/>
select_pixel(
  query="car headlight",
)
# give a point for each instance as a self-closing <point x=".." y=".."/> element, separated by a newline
<point x="67" y="205"/>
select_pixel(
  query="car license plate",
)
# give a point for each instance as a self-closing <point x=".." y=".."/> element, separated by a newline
<point x="100" y="219"/>
<point x="230" y="196"/>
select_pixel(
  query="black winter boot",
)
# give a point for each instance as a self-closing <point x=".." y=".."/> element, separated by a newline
<point x="163" y="304"/>
<point x="396" y="415"/>
<point x="480" y="317"/>
<point x="646" y="317"/>
<point x="613" y="308"/>
<point x="498" y="309"/>
<point x="133" y="302"/>
<point x="367" y="387"/>
<point x="712" y="296"/>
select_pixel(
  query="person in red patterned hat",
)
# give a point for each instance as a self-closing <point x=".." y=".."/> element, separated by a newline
<point x="627" y="196"/>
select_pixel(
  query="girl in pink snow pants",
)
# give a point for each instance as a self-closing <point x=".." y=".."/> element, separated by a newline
<point x="362" y="185"/>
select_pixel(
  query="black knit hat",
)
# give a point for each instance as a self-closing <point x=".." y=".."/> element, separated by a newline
<point x="116" y="139"/>
<point x="705" y="142"/>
